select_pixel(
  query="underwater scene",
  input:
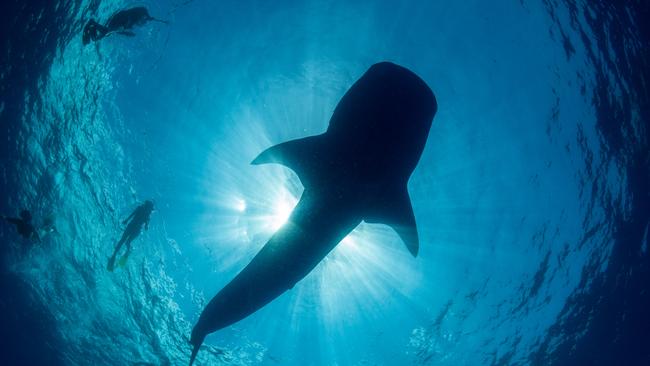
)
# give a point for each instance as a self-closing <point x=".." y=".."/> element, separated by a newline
<point x="313" y="182"/>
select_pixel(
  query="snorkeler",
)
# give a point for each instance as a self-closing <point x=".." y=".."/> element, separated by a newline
<point x="121" y="22"/>
<point x="24" y="225"/>
<point x="140" y="216"/>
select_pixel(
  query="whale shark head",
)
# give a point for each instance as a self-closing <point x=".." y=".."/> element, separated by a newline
<point x="374" y="140"/>
<point x="384" y="120"/>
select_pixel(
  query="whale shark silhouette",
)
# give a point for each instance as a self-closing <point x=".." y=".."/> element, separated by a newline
<point x="356" y="171"/>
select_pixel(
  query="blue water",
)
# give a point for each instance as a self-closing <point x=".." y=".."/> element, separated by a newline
<point x="531" y="196"/>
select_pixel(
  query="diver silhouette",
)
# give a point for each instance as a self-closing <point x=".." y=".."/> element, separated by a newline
<point x="121" y="22"/>
<point x="24" y="225"/>
<point x="140" y="216"/>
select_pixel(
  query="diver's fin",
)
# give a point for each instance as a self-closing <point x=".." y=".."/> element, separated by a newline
<point x="111" y="264"/>
<point x="123" y="259"/>
<point x="395" y="210"/>
<point x="303" y="156"/>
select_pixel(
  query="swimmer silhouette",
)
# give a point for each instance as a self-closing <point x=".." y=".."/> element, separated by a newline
<point x="356" y="171"/>
<point x="121" y="22"/>
<point x="24" y="225"/>
<point x="140" y="216"/>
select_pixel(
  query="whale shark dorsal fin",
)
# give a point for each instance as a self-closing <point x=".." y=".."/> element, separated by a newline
<point x="301" y="155"/>
<point x="395" y="210"/>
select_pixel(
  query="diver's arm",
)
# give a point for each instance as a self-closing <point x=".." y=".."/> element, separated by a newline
<point x="159" y="20"/>
<point x="130" y="216"/>
<point x="12" y="220"/>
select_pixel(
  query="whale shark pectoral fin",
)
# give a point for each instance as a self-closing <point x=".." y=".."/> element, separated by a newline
<point x="303" y="156"/>
<point x="409" y="235"/>
<point x="395" y="210"/>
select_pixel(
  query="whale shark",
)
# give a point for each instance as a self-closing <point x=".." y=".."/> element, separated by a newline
<point x="356" y="171"/>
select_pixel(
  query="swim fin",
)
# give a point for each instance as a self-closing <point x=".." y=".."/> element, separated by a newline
<point x="111" y="264"/>
<point x="123" y="259"/>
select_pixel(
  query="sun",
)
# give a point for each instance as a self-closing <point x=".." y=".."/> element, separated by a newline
<point x="282" y="209"/>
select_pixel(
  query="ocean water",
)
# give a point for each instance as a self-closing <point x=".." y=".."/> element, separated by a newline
<point x="531" y="197"/>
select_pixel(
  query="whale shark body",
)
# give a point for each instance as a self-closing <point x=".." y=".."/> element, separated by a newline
<point x="356" y="171"/>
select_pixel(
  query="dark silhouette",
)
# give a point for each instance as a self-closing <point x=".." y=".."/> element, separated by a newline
<point x="24" y="225"/>
<point x="121" y="22"/>
<point x="140" y="216"/>
<point x="357" y="170"/>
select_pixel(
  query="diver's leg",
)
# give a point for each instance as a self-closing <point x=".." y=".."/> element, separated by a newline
<point x="131" y="239"/>
<point x="111" y="260"/>
<point x="124" y="238"/>
<point x="126" y="254"/>
<point x="128" y="244"/>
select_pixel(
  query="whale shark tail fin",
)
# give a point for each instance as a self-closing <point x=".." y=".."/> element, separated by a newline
<point x="394" y="209"/>
<point x="195" y="350"/>
<point x="303" y="156"/>
<point x="196" y="340"/>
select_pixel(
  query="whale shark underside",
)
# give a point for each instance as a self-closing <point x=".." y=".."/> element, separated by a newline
<point x="356" y="171"/>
